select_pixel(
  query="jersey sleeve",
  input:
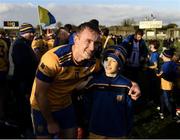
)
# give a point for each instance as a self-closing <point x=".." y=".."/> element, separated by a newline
<point x="48" y="67"/>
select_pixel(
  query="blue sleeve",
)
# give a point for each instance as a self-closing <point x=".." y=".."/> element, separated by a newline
<point x="154" y="58"/>
<point x="71" y="38"/>
<point x="126" y="40"/>
<point x="164" y="68"/>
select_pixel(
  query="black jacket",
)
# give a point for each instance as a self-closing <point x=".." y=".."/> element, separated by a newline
<point x="25" y="61"/>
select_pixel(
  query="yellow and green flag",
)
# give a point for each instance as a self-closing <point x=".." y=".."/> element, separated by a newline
<point x="45" y="16"/>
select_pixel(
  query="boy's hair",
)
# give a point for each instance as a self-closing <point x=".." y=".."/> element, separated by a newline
<point x="89" y="25"/>
<point x="155" y="43"/>
<point x="119" y="53"/>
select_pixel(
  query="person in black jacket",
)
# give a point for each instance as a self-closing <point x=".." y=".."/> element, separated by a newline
<point x="25" y="64"/>
<point x="136" y="59"/>
<point x="137" y="54"/>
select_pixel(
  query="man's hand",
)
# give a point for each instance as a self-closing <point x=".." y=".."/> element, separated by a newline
<point x="53" y="128"/>
<point x="84" y="83"/>
<point x="134" y="91"/>
<point x="80" y="133"/>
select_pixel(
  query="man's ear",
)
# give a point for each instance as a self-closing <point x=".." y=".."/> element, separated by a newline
<point x="76" y="38"/>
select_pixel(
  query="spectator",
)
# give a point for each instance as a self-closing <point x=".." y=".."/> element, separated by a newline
<point x="168" y="73"/>
<point x="39" y="46"/>
<point x="62" y="37"/>
<point x="5" y="38"/>
<point x="106" y="38"/>
<point x="176" y="59"/>
<point x="50" y="38"/>
<point x="136" y="59"/>
<point x="25" y="64"/>
<point x="137" y="54"/>
<point x="4" y="67"/>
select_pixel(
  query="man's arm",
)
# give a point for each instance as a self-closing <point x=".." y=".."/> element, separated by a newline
<point x="43" y="103"/>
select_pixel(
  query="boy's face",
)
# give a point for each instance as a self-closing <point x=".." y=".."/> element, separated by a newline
<point x="111" y="66"/>
<point x="164" y="58"/>
<point x="151" y="47"/>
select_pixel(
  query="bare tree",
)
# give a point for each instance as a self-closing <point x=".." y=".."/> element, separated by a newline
<point x="128" y="22"/>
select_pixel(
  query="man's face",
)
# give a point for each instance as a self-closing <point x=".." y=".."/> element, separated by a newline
<point x="87" y="43"/>
<point x="28" y="36"/>
<point x="110" y="66"/>
<point x="138" y="37"/>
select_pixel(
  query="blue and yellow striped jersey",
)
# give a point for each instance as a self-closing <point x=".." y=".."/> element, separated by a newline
<point x="58" y="68"/>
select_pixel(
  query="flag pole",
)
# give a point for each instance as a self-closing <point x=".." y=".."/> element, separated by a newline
<point x="39" y="22"/>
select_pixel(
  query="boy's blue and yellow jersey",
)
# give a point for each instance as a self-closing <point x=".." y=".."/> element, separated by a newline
<point x="111" y="113"/>
<point x="4" y="63"/>
<point x="58" y="68"/>
<point x="154" y="58"/>
<point x="168" y="76"/>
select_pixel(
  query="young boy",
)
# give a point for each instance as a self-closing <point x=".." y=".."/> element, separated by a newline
<point x="111" y="111"/>
<point x="167" y="74"/>
<point x="176" y="59"/>
<point x="152" y="67"/>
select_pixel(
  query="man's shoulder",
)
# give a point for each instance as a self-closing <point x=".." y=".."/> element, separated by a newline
<point x="62" y="50"/>
<point x="61" y="54"/>
<point x="19" y="41"/>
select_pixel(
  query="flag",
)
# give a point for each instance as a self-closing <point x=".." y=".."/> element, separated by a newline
<point x="45" y="16"/>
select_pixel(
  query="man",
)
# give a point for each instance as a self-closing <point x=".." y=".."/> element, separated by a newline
<point x="137" y="54"/>
<point x="25" y="64"/>
<point x="62" y="37"/>
<point x="60" y="71"/>
<point x="4" y="67"/>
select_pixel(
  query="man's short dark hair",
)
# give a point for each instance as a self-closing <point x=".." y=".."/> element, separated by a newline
<point x="89" y="25"/>
<point x="95" y="22"/>
<point x="68" y="27"/>
<point x="139" y="32"/>
<point x="105" y="31"/>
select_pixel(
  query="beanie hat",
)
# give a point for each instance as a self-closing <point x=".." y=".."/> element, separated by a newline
<point x="26" y="28"/>
<point x="119" y="53"/>
<point x="168" y="53"/>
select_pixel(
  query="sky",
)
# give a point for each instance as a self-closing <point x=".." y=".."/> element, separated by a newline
<point x="108" y="12"/>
